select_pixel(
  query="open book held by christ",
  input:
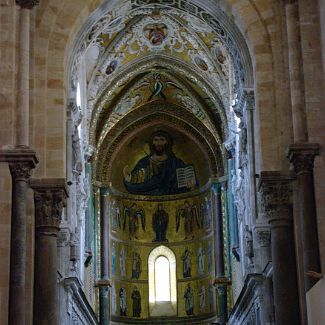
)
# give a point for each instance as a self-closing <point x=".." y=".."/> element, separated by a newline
<point x="186" y="176"/>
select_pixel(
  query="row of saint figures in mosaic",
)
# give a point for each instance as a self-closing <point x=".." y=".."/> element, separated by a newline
<point x="188" y="218"/>
<point x="202" y="297"/>
<point x="201" y="258"/>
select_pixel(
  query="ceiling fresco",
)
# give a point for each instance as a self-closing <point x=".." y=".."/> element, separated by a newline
<point x="158" y="54"/>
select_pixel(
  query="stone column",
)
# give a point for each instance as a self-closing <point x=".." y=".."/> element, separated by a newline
<point x="276" y="202"/>
<point x="219" y="253"/>
<point x="21" y="162"/>
<point x="50" y="198"/>
<point x="230" y="149"/>
<point x="302" y="157"/>
<point x="301" y="153"/>
<point x="104" y="241"/>
<point x="295" y="71"/>
<point x="249" y="112"/>
<point x="22" y="108"/>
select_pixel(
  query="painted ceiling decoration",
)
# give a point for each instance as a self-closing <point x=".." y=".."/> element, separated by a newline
<point x="209" y="96"/>
<point x="165" y="56"/>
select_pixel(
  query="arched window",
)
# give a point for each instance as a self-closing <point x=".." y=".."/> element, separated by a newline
<point x="162" y="279"/>
<point x="162" y="282"/>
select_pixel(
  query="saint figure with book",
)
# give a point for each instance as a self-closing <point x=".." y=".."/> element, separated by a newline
<point x="160" y="172"/>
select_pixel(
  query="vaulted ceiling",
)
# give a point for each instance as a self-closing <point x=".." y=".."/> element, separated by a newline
<point x="147" y="59"/>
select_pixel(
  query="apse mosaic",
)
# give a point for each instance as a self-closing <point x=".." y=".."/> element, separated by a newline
<point x="160" y="172"/>
<point x="174" y="230"/>
<point x="159" y="161"/>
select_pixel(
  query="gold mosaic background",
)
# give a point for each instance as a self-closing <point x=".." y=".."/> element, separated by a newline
<point x="144" y="245"/>
<point x="137" y="148"/>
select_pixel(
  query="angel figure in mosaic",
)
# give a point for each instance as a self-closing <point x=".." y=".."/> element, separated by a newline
<point x="134" y="215"/>
<point x="190" y="215"/>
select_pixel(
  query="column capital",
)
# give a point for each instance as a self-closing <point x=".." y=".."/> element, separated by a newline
<point x="20" y="170"/>
<point x="302" y="156"/>
<point x="21" y="161"/>
<point x="27" y="4"/>
<point x="104" y="191"/>
<point x="275" y="196"/>
<point x="50" y="197"/>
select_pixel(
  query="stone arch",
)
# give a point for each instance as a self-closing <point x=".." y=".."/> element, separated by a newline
<point x="55" y="88"/>
<point x="143" y="66"/>
<point x="169" y="254"/>
<point x="211" y="144"/>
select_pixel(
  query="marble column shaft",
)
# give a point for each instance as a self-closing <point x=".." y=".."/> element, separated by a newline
<point x="220" y="263"/>
<point x="276" y="202"/>
<point x="305" y="211"/>
<point x="50" y="198"/>
<point x="219" y="251"/>
<point x="21" y="162"/>
<point x="104" y="240"/>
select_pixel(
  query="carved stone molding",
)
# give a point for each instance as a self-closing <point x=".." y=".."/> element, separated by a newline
<point x="275" y="191"/>
<point x="27" y="4"/>
<point x="50" y="198"/>
<point x="302" y="156"/>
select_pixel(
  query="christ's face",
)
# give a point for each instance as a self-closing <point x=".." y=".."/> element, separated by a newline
<point x="159" y="143"/>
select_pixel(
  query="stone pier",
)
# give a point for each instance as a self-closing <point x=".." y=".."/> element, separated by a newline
<point x="50" y="198"/>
